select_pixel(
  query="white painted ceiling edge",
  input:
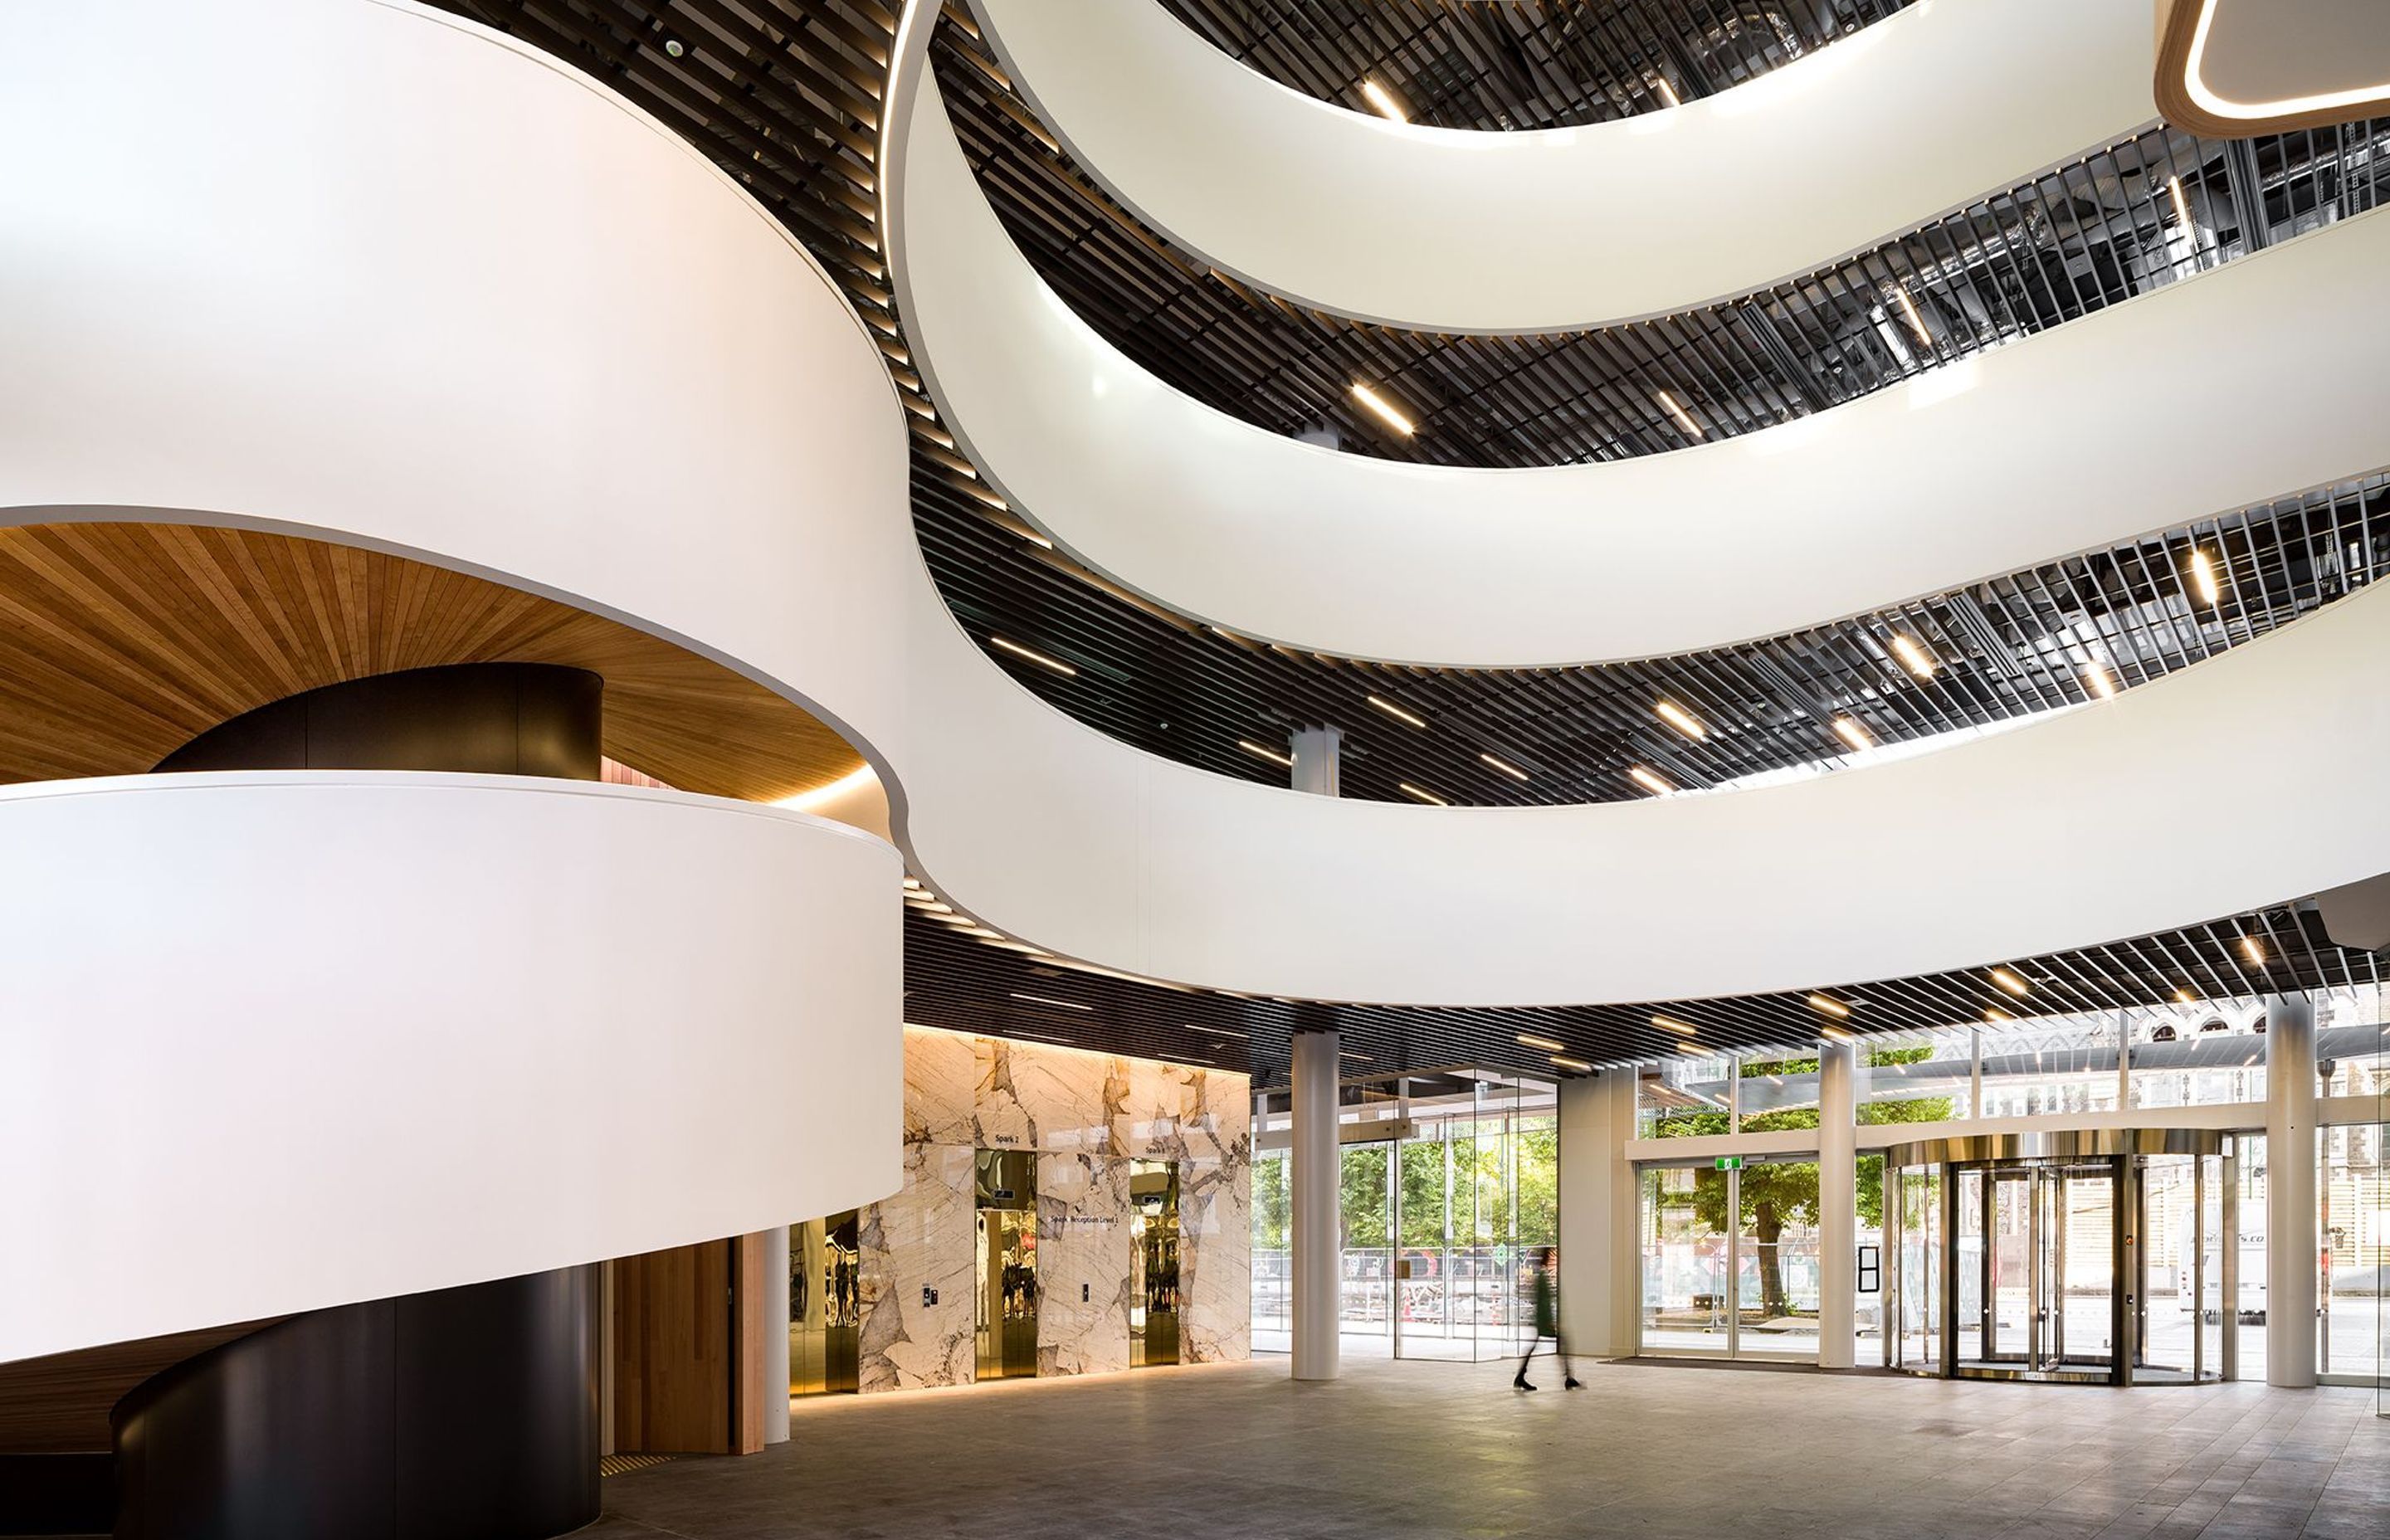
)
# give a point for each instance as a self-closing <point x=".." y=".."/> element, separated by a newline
<point x="2074" y="439"/>
<point x="1563" y="229"/>
<point x="327" y="1037"/>
<point x="202" y="334"/>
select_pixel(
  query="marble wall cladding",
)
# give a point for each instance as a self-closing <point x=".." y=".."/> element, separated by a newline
<point x="1088" y="1116"/>
<point x="1083" y="1264"/>
<point x="941" y="1082"/>
<point x="925" y="1237"/>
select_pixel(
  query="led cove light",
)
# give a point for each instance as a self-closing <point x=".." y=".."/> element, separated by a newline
<point x="1668" y="403"/>
<point x="1912" y="657"/>
<point x="2096" y="679"/>
<point x="1670" y="1023"/>
<point x="1384" y="101"/>
<point x="1263" y="750"/>
<point x="1504" y="767"/>
<point x="2202" y="577"/>
<point x="1826" y="1005"/>
<point x="1682" y="719"/>
<point x="1529" y="1040"/>
<point x="1579" y="1065"/>
<point x="1408" y="789"/>
<point x="1036" y="657"/>
<point x="1648" y="781"/>
<point x="1398" y="713"/>
<point x="1848" y="729"/>
<point x="1385" y="409"/>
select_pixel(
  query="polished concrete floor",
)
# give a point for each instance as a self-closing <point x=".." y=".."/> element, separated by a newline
<point x="1401" y="1449"/>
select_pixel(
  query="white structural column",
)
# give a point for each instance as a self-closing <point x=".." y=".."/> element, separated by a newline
<point x="1318" y="1195"/>
<point x="775" y="1346"/>
<point x="1598" y="1215"/>
<point x="2290" y="1191"/>
<point x="1318" y="755"/>
<point x="1837" y="1205"/>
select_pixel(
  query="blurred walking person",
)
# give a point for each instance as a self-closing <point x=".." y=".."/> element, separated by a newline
<point x="1548" y="1321"/>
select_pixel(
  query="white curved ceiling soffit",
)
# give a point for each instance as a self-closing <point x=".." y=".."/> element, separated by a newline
<point x="2076" y="438"/>
<point x="726" y="464"/>
<point x="1563" y="229"/>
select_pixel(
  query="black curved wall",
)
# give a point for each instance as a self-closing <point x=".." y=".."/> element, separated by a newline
<point x="497" y="719"/>
<point x="464" y="1413"/>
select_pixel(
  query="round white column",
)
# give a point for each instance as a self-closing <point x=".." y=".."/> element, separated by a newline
<point x="1317" y="1220"/>
<point x="2290" y="1191"/>
<point x="1837" y="1206"/>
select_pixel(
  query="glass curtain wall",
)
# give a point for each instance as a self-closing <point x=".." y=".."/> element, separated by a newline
<point x="2353" y="1197"/>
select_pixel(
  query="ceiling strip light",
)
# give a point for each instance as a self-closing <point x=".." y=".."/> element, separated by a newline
<point x="1036" y="657"/>
<point x="1684" y="421"/>
<point x="1383" y="100"/>
<point x="1913" y="657"/>
<point x="2011" y="983"/>
<point x="2255" y="950"/>
<point x="1408" y="789"/>
<point x="2202" y="577"/>
<point x="1043" y="1000"/>
<point x="1263" y="750"/>
<point x="1384" y="408"/>
<point x="1529" y="1040"/>
<point x="1398" y="713"/>
<point x="2182" y="997"/>
<point x="1648" y="781"/>
<point x="1578" y="1065"/>
<point x="1504" y="767"/>
<point x="1682" y="719"/>
<point x="1670" y="1023"/>
<point x="2098" y="681"/>
<point x="2181" y="207"/>
<point x="1995" y="1016"/>
<point x="1848" y="729"/>
<point x="1826" y="1005"/>
<point x="1908" y="310"/>
<point x="1666" y="91"/>
<point x="1838" y="1034"/>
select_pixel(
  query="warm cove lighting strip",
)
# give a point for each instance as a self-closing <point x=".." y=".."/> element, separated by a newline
<point x="2193" y="84"/>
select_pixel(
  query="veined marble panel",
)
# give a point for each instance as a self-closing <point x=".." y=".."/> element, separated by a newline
<point x="1032" y="1097"/>
<point x="1216" y="1123"/>
<point x="1216" y="1240"/>
<point x="1146" y="1124"/>
<point x="940" y="1082"/>
<point x="1083" y="1264"/>
<point x="924" y="1237"/>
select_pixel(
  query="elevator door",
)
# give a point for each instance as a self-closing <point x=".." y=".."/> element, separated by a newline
<point x="1007" y="1305"/>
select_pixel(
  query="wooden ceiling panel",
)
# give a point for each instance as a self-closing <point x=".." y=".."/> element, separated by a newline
<point x="119" y="643"/>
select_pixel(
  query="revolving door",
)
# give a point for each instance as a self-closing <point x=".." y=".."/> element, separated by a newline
<point x="2085" y="1256"/>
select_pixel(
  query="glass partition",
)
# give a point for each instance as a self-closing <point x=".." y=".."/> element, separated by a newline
<point x="1365" y="1299"/>
<point x="1273" y="1264"/>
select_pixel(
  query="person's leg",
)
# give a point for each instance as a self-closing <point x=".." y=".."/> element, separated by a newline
<point x="1520" y="1379"/>
<point x="1568" y="1374"/>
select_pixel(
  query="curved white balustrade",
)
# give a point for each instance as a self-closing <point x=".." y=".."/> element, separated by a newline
<point x="215" y="328"/>
<point x="275" y="1042"/>
<point x="2093" y="432"/>
<point x="1561" y="229"/>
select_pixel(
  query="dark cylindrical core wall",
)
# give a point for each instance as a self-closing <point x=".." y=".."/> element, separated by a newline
<point x="470" y="1411"/>
<point x="492" y="719"/>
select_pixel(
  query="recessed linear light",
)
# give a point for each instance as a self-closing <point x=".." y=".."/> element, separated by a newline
<point x="1384" y="101"/>
<point x="1838" y="1034"/>
<point x="1677" y="718"/>
<point x="1826" y="1005"/>
<point x="1385" y="409"/>
<point x="1847" y="728"/>
<point x="2011" y="983"/>
<point x="2181" y="207"/>
<point x="1529" y="1040"/>
<point x="1036" y="657"/>
<point x="1666" y="91"/>
<point x="1218" y="1032"/>
<point x="1913" y="657"/>
<point x="1670" y="1023"/>
<point x="1578" y="1065"/>
<point x="2182" y="997"/>
<point x="1356" y="1053"/>
<point x="1684" y="419"/>
<point x="1263" y="750"/>
<point x="1421" y="793"/>
<point x="2202" y="577"/>
<point x="1506" y="767"/>
<point x="1908" y="312"/>
<point x="1994" y="1016"/>
<point x="1398" y="713"/>
<point x="2098" y="682"/>
<point x="1648" y="781"/>
<point x="2255" y="950"/>
<point x="1043" y="1000"/>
